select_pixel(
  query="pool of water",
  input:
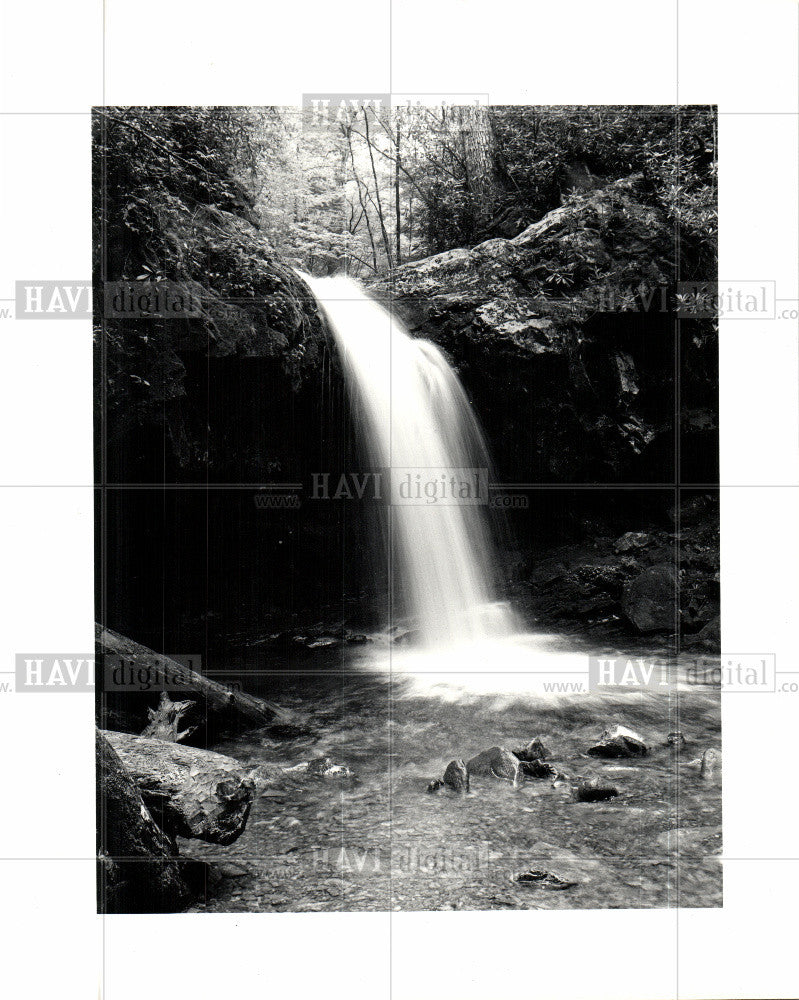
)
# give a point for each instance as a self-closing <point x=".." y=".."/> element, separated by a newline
<point x="381" y="842"/>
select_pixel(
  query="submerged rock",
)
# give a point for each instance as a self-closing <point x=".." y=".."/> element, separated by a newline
<point x="539" y="769"/>
<point x="619" y="742"/>
<point x="593" y="790"/>
<point x="323" y="642"/>
<point x="323" y="767"/>
<point x="710" y="766"/>
<point x="497" y="762"/>
<point x="540" y="879"/>
<point x="676" y="740"/>
<point x="534" y="750"/>
<point x="456" y="776"/>
<point x="320" y="767"/>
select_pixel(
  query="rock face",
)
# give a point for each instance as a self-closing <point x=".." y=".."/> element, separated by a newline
<point x="650" y="600"/>
<point x="137" y="871"/>
<point x="496" y="762"/>
<point x="619" y="742"/>
<point x="593" y="582"/>
<point x="553" y="321"/>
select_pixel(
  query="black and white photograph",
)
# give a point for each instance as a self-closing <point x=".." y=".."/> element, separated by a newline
<point x="408" y="516"/>
<point x="399" y="487"/>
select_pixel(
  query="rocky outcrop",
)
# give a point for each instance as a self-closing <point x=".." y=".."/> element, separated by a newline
<point x="250" y="307"/>
<point x="570" y="319"/>
<point x="629" y="583"/>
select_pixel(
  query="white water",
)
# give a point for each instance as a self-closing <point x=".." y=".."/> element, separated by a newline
<point x="412" y="414"/>
<point x="413" y="418"/>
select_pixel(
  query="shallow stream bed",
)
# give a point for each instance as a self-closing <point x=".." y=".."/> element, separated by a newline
<point x="381" y="842"/>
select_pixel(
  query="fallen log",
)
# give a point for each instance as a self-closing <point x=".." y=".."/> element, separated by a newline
<point x="190" y="792"/>
<point x="167" y="674"/>
<point x="137" y="871"/>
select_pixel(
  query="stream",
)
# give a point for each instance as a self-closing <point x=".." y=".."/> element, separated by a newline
<point x="378" y="841"/>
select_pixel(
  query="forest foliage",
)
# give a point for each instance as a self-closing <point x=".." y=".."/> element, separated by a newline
<point x="365" y="191"/>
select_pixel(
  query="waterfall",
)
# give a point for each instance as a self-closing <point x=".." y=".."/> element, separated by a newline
<point x="415" y="422"/>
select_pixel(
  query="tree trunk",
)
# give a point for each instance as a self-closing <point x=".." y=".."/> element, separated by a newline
<point x="137" y="871"/>
<point x="190" y="792"/>
<point x="398" y="252"/>
<point x="166" y="674"/>
<point x="478" y="155"/>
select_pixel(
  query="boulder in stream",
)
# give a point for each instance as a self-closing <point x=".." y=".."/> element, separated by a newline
<point x="496" y="762"/>
<point x="534" y="750"/>
<point x="539" y="879"/>
<point x="539" y="769"/>
<point x="619" y="742"/>
<point x="593" y="790"/>
<point x="456" y="776"/>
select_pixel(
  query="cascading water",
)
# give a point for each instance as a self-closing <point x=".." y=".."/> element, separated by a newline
<point x="415" y="421"/>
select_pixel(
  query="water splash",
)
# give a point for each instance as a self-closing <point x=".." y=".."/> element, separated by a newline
<point x="414" y="420"/>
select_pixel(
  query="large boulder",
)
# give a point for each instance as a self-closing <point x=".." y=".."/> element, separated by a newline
<point x="137" y="871"/>
<point x="496" y="762"/>
<point x="650" y="600"/>
<point x="554" y="324"/>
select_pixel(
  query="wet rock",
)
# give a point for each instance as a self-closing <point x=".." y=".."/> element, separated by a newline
<point x="676" y="740"/>
<point x="593" y="790"/>
<point x="710" y="635"/>
<point x="323" y="642"/>
<point x="435" y="786"/>
<point x="540" y="879"/>
<point x="534" y="750"/>
<point x="491" y="306"/>
<point x="323" y="767"/>
<point x="265" y="775"/>
<point x="456" y="776"/>
<point x="539" y="769"/>
<point x="497" y="762"/>
<point x="710" y="766"/>
<point x="619" y="742"/>
<point x="357" y="639"/>
<point x="632" y="540"/>
<point x="650" y="599"/>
